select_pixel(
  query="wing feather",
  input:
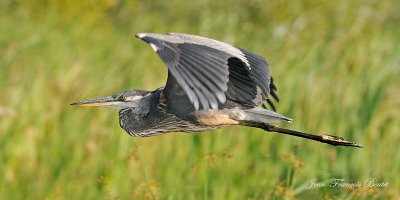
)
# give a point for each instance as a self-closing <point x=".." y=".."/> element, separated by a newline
<point x="209" y="71"/>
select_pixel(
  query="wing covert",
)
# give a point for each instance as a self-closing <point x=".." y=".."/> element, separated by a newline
<point x="201" y="71"/>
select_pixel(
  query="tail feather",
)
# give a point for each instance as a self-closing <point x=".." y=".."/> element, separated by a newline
<point x="264" y="116"/>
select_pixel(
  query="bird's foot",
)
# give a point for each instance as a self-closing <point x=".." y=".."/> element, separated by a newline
<point x="337" y="141"/>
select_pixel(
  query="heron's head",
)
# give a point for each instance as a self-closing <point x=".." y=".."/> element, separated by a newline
<point x="126" y="99"/>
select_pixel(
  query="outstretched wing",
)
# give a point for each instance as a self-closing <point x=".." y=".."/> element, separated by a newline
<point x="209" y="71"/>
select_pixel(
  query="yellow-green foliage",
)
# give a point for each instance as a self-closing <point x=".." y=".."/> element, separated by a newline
<point x="336" y="64"/>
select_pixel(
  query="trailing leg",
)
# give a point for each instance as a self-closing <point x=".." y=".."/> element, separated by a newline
<point x="324" y="138"/>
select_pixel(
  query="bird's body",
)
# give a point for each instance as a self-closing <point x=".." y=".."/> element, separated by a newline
<point x="210" y="85"/>
<point x="155" y="117"/>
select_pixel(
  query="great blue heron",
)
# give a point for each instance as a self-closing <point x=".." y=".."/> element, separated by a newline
<point x="210" y="85"/>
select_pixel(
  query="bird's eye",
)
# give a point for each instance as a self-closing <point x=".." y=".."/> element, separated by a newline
<point x="122" y="98"/>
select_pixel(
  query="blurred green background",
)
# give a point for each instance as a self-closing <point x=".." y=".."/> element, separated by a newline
<point x="336" y="65"/>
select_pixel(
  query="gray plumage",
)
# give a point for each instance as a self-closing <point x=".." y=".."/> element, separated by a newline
<point x="210" y="85"/>
<point x="210" y="71"/>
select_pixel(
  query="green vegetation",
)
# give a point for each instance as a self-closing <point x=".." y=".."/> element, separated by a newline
<point x="336" y="65"/>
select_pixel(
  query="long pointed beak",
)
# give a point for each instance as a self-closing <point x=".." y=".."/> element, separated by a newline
<point x="102" y="101"/>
